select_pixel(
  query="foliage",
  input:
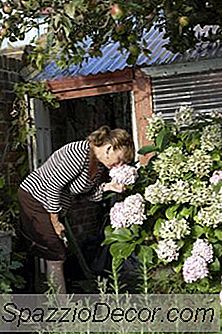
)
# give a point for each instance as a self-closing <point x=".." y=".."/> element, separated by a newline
<point x="179" y="242"/>
<point x="37" y="90"/>
<point x="76" y="29"/>
<point x="9" y="278"/>
<point x="16" y="142"/>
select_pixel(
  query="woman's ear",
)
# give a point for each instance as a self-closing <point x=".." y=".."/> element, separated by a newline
<point x="108" y="150"/>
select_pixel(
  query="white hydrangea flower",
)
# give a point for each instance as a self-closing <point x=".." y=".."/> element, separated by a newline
<point x="201" y="193"/>
<point x="204" y="249"/>
<point x="210" y="216"/>
<point x="211" y="137"/>
<point x="170" y="164"/>
<point x="174" y="229"/>
<point x="167" y="250"/>
<point x="200" y="163"/>
<point x="124" y="174"/>
<point x="184" y="116"/>
<point x="157" y="193"/>
<point x="194" y="268"/>
<point x="216" y="114"/>
<point x="156" y="124"/>
<point x="180" y="191"/>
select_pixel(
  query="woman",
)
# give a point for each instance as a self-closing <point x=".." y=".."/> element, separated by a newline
<point x="76" y="168"/>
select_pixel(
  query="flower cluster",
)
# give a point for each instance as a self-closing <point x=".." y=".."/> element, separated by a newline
<point x="182" y="189"/>
<point x="170" y="231"/>
<point x="171" y="164"/>
<point x="167" y="250"/>
<point x="203" y="248"/>
<point x="184" y="116"/>
<point x="202" y="193"/>
<point x="124" y="174"/>
<point x="200" y="163"/>
<point x="181" y="192"/>
<point x="156" y="123"/>
<point x="157" y="193"/>
<point x="195" y="193"/>
<point x="211" y="137"/>
<point x="129" y="212"/>
<point x="216" y="177"/>
<point x="196" y="266"/>
<point x="210" y="216"/>
<point x="174" y="229"/>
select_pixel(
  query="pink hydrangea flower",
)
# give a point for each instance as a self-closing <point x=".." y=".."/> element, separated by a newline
<point x="194" y="268"/>
<point x="203" y="248"/>
<point x="216" y="177"/>
<point x="117" y="217"/>
<point x="124" y="174"/>
<point x="128" y="212"/>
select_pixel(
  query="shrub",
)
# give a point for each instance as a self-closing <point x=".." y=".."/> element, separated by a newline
<point x="178" y="197"/>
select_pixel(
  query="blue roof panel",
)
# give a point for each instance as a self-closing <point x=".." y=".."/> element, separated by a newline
<point x="113" y="60"/>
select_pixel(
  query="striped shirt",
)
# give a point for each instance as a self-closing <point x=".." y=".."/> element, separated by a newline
<point x="65" y="173"/>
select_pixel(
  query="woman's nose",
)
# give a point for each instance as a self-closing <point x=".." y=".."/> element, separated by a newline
<point x="118" y="164"/>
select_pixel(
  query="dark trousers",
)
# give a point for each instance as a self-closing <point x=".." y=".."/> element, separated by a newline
<point x="37" y="229"/>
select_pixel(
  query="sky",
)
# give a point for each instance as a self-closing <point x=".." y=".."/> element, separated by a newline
<point x="29" y="36"/>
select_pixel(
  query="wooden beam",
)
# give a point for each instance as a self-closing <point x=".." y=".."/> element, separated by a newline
<point x="81" y="82"/>
<point x="108" y="89"/>
<point x="143" y="107"/>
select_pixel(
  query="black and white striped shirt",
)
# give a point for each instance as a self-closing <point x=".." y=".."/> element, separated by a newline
<point x="65" y="173"/>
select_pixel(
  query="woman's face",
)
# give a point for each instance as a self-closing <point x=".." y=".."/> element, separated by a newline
<point x="109" y="157"/>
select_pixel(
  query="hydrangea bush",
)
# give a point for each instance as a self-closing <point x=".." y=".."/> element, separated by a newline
<point x="170" y="216"/>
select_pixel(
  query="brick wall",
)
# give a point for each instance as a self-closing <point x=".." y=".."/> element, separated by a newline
<point x="9" y="75"/>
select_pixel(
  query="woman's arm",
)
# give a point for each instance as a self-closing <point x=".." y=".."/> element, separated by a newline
<point x="117" y="187"/>
<point x="58" y="227"/>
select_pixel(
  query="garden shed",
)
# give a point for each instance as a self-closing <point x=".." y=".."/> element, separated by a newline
<point x="107" y="91"/>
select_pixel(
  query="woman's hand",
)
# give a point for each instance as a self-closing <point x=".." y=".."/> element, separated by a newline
<point x="58" y="227"/>
<point x="117" y="187"/>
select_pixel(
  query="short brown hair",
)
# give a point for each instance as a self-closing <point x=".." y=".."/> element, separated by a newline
<point x="118" y="138"/>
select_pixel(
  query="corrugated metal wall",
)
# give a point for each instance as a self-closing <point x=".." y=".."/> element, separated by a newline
<point x="203" y="91"/>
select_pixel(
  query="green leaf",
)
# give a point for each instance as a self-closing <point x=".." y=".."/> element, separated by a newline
<point x="177" y="268"/>
<point x="153" y="209"/>
<point x="215" y="266"/>
<point x="135" y="230"/>
<point x="57" y="21"/>
<point x="117" y="263"/>
<point x="218" y="234"/>
<point x="171" y="212"/>
<point x="218" y="249"/>
<point x="197" y="231"/>
<point x="147" y="149"/>
<point x="146" y="254"/>
<point x="122" y="250"/>
<point x="217" y="186"/>
<point x="2" y="182"/>
<point x="185" y="212"/>
<point x="157" y="227"/>
<point x="162" y="139"/>
<point x="70" y="9"/>
<point x="118" y="235"/>
<point x="216" y="156"/>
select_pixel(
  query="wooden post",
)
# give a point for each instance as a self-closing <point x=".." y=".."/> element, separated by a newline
<point x="143" y="107"/>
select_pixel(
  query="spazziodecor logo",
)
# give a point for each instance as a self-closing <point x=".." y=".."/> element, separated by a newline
<point x="110" y="313"/>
